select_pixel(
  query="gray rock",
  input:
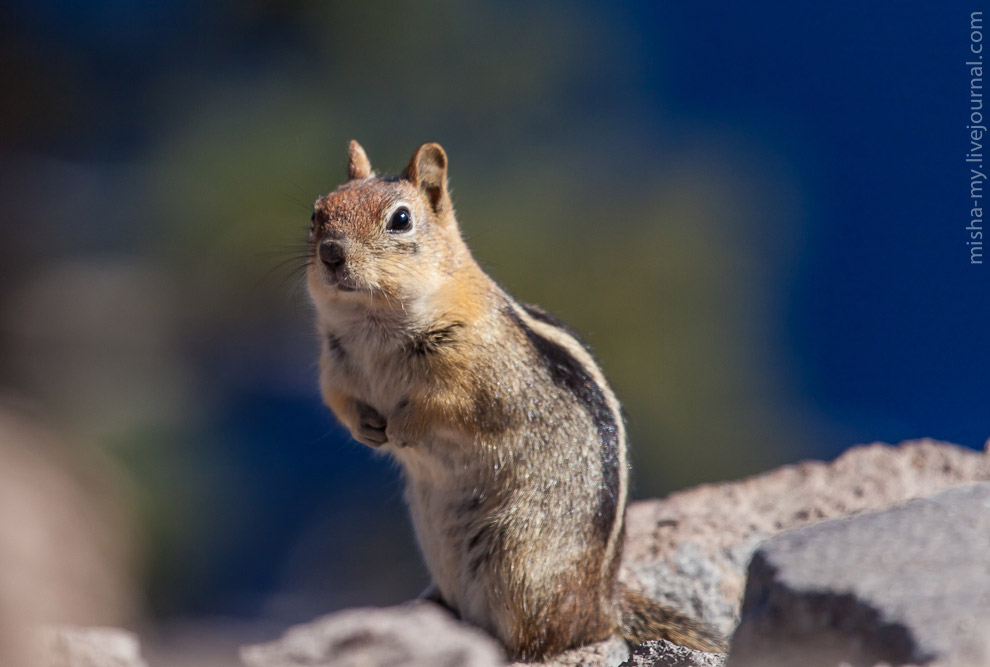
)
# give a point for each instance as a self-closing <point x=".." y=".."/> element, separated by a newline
<point x="87" y="647"/>
<point x="907" y="585"/>
<point x="419" y="634"/>
<point x="665" y="654"/>
<point x="691" y="548"/>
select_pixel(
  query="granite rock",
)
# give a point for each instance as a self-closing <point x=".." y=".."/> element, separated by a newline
<point x="909" y="584"/>
<point x="417" y="634"/>
<point x="666" y="654"/>
<point x="691" y="549"/>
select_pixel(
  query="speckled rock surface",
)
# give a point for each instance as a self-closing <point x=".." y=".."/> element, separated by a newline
<point x="665" y="654"/>
<point x="909" y="584"/>
<point x="691" y="549"/>
<point x="418" y="634"/>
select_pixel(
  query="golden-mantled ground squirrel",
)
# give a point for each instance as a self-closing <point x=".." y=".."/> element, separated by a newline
<point x="511" y="441"/>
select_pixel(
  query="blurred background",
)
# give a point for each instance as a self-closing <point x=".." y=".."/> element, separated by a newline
<point x="754" y="213"/>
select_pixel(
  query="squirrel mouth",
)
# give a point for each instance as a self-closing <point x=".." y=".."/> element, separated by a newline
<point x="342" y="283"/>
<point x="339" y="280"/>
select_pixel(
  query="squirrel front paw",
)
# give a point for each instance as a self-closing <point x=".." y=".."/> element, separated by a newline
<point x="371" y="426"/>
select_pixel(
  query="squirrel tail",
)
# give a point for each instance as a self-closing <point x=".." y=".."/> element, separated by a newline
<point x="642" y="619"/>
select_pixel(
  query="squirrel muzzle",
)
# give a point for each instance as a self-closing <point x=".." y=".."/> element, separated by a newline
<point x="333" y="256"/>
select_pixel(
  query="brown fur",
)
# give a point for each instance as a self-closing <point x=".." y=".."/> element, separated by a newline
<point x="511" y="441"/>
<point x="642" y="619"/>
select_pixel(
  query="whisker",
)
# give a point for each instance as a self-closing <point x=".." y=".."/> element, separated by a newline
<point x="297" y="186"/>
<point x="290" y="268"/>
<point x="297" y="249"/>
<point x="300" y="204"/>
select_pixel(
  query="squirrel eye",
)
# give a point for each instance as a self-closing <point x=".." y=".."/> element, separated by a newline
<point x="400" y="221"/>
<point x="312" y="225"/>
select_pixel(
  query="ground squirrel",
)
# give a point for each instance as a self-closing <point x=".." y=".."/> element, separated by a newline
<point x="511" y="442"/>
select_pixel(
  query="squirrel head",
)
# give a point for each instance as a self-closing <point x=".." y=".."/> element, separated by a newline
<point x="384" y="240"/>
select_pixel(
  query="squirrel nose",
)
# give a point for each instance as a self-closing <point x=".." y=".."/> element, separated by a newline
<point x="332" y="255"/>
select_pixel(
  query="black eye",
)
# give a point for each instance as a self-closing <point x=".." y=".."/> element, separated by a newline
<point x="312" y="225"/>
<point x="400" y="221"/>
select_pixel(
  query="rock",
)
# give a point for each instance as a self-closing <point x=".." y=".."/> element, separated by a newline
<point x="906" y="585"/>
<point x="418" y="634"/>
<point x="88" y="647"/>
<point x="666" y="654"/>
<point x="691" y="549"/>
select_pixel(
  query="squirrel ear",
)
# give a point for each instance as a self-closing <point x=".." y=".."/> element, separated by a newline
<point x="427" y="170"/>
<point x="358" y="165"/>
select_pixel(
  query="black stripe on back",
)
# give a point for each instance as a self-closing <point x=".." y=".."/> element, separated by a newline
<point x="541" y="315"/>
<point x="568" y="373"/>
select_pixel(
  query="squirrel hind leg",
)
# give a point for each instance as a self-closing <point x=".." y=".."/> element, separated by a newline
<point x="642" y="619"/>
